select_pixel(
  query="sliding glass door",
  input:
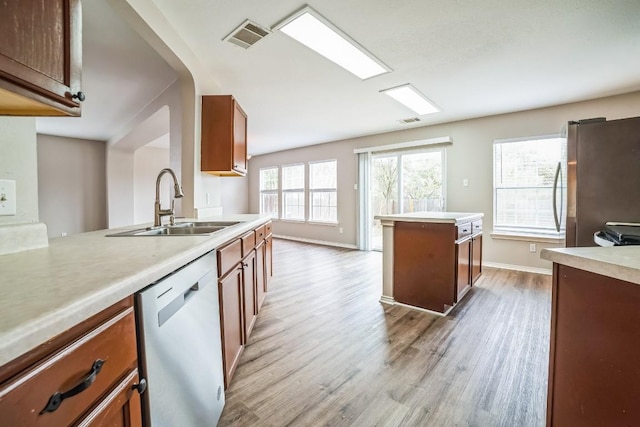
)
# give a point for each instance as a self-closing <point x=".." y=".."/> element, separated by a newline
<point x="403" y="182"/>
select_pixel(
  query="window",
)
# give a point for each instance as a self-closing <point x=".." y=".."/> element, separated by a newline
<point x="323" y="194"/>
<point x="269" y="191"/>
<point x="524" y="178"/>
<point x="293" y="192"/>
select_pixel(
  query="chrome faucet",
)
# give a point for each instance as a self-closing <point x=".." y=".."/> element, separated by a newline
<point x="159" y="212"/>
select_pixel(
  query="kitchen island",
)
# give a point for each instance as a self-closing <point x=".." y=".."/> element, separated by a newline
<point x="67" y="310"/>
<point x="594" y="378"/>
<point x="430" y="259"/>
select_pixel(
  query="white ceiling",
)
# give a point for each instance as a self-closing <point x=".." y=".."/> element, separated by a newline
<point x="470" y="58"/>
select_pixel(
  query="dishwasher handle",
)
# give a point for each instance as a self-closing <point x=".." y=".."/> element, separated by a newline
<point x="166" y="312"/>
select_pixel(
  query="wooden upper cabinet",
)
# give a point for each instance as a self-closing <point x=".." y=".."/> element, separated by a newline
<point x="40" y="57"/>
<point x="223" y="137"/>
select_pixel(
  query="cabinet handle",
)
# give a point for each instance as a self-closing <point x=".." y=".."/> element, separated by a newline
<point x="56" y="398"/>
<point x="141" y="386"/>
<point x="79" y="96"/>
<point x="244" y="264"/>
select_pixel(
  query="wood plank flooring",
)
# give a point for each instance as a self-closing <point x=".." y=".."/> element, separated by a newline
<point x="325" y="352"/>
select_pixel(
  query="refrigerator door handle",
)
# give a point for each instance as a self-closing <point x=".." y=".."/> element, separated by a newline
<point x="555" y="201"/>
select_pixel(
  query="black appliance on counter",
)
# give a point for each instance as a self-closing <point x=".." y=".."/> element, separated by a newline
<point x="603" y="176"/>
<point x="618" y="234"/>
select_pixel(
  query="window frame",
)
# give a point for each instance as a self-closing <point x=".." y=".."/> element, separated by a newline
<point x="301" y="190"/>
<point x="524" y="232"/>
<point x="276" y="192"/>
<point x="313" y="191"/>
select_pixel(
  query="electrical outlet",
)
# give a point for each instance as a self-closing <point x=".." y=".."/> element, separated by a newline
<point x="532" y="247"/>
<point x="7" y="197"/>
<point x="340" y="230"/>
<point x="465" y="182"/>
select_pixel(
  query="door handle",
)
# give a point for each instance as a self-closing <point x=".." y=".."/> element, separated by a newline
<point x="56" y="398"/>
<point x="555" y="202"/>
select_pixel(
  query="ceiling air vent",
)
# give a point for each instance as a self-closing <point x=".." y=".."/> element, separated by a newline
<point x="247" y="34"/>
<point x="410" y="120"/>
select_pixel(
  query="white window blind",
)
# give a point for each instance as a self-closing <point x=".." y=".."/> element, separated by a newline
<point x="524" y="175"/>
<point x="293" y="192"/>
<point x="269" y="191"/>
<point x="323" y="194"/>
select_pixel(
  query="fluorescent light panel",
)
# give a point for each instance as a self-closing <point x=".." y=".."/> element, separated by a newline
<point x="408" y="96"/>
<point x="315" y="32"/>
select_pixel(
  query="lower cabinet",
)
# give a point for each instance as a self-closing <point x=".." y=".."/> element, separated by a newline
<point x="242" y="280"/>
<point x="476" y="257"/>
<point x="230" y="289"/>
<point x="249" y="292"/>
<point x="463" y="268"/>
<point x="268" y="260"/>
<point x="594" y="379"/>
<point x="435" y="264"/>
<point x="261" y="276"/>
<point x="85" y="376"/>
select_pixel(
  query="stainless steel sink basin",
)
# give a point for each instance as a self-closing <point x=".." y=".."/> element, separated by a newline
<point x="180" y="229"/>
<point x="222" y="224"/>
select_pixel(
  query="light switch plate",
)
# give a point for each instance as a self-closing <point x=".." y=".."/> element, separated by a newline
<point x="7" y="197"/>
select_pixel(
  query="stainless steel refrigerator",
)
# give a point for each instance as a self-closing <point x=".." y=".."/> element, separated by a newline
<point x="603" y="176"/>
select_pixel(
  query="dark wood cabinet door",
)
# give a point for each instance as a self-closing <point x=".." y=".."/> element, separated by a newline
<point x="239" y="139"/>
<point x="463" y="268"/>
<point x="268" y="261"/>
<point x="476" y="258"/>
<point x="261" y="274"/>
<point x="249" y="272"/>
<point x="121" y="408"/>
<point x="40" y="57"/>
<point x="231" y="321"/>
<point x="424" y="265"/>
<point x="594" y="379"/>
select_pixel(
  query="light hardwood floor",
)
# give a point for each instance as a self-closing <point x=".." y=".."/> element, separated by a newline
<point x="324" y="351"/>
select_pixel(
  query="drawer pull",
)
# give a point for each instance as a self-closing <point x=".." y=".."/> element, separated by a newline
<point x="141" y="386"/>
<point x="56" y="398"/>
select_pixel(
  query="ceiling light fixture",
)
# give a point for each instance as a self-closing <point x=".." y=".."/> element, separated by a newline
<point x="408" y="96"/>
<point x="312" y="30"/>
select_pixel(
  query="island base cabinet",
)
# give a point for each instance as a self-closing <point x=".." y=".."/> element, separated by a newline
<point x="594" y="373"/>
<point x="424" y="265"/>
<point x="463" y="266"/>
<point x="230" y="289"/>
<point x="476" y="258"/>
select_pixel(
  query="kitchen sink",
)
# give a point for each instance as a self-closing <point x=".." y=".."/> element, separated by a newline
<point x="195" y="228"/>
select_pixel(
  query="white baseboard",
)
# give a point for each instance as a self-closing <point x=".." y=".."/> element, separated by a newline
<point x="526" y="269"/>
<point x="387" y="300"/>
<point x="317" y="242"/>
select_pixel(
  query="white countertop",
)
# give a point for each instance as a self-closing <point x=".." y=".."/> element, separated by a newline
<point x="439" y="217"/>
<point x="619" y="262"/>
<point x="44" y="292"/>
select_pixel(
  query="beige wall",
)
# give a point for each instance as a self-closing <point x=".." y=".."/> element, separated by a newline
<point x="147" y="163"/>
<point x="19" y="162"/>
<point x="71" y="184"/>
<point x="470" y="157"/>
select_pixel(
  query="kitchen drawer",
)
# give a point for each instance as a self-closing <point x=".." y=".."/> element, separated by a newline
<point x="476" y="227"/>
<point x="267" y="228"/>
<point x="91" y="365"/>
<point x="248" y="242"/>
<point x="261" y="233"/>
<point x="464" y="230"/>
<point x="229" y="256"/>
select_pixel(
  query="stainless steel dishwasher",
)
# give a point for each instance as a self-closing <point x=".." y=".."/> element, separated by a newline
<point x="179" y="330"/>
